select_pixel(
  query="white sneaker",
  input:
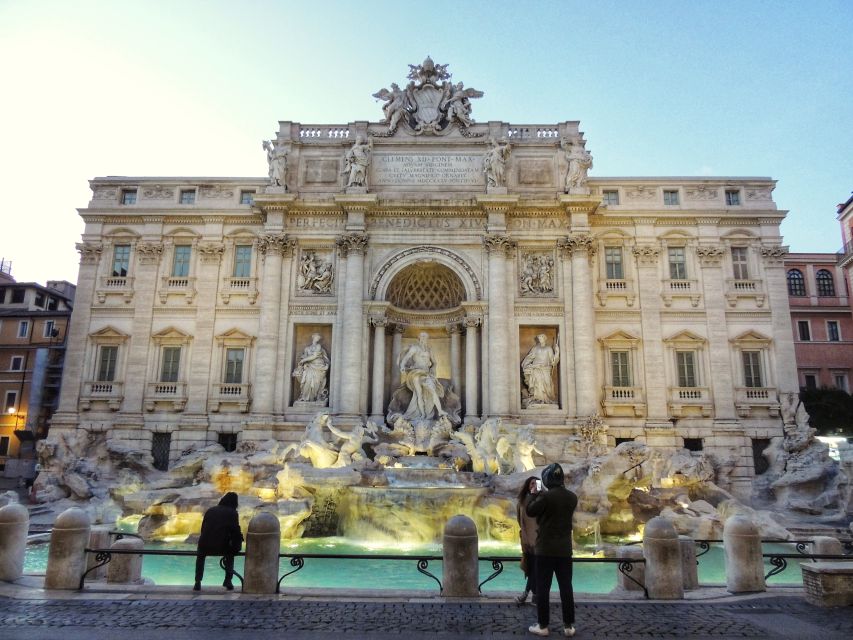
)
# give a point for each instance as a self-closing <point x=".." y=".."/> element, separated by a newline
<point x="569" y="631"/>
<point x="536" y="630"/>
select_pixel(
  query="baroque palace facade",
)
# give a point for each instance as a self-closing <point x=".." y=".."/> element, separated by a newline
<point x="234" y="309"/>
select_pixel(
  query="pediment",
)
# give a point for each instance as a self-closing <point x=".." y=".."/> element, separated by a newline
<point x="686" y="337"/>
<point x="171" y="333"/>
<point x="752" y="338"/>
<point x="108" y="333"/>
<point x="620" y="337"/>
<point x="235" y="336"/>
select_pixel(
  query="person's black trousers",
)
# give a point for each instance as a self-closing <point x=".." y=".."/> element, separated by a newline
<point x="546" y="568"/>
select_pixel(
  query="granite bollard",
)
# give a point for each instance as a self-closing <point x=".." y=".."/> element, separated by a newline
<point x="744" y="564"/>
<point x="689" y="567"/>
<point x="663" y="560"/>
<point x="99" y="538"/>
<point x="263" y="540"/>
<point x="460" y="552"/>
<point x="66" y="558"/>
<point x="638" y="569"/>
<point x="14" y="524"/>
<point x="827" y="546"/>
<point x="126" y="568"/>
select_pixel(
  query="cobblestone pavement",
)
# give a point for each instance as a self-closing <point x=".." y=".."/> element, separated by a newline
<point x="771" y="617"/>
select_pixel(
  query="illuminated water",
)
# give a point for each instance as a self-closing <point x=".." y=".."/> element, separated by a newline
<point x="399" y="574"/>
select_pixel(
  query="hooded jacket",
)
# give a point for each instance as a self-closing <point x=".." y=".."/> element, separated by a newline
<point x="220" y="528"/>
<point x="553" y="510"/>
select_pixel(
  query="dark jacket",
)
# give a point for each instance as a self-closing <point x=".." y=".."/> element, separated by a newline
<point x="553" y="510"/>
<point x="220" y="528"/>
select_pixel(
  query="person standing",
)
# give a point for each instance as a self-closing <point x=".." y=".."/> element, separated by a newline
<point x="553" y="510"/>
<point x="528" y="538"/>
<point x="220" y="536"/>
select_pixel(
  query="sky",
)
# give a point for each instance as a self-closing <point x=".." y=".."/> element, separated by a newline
<point x="190" y="88"/>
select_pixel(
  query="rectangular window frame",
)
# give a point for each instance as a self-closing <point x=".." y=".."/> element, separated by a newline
<point x="247" y="197"/>
<point x="128" y="197"/>
<point x="610" y="196"/>
<point x="242" y="261"/>
<point x="740" y="263"/>
<point x="840" y="381"/>
<point x="677" y="263"/>
<point x="106" y="364"/>
<point x="732" y="197"/>
<point x="187" y="196"/>
<point x="753" y="377"/>
<point x="5" y="441"/>
<point x="670" y="197"/>
<point x="49" y="326"/>
<point x="10" y="401"/>
<point x="16" y="363"/>
<point x="121" y="260"/>
<point x="620" y="368"/>
<point x="810" y="381"/>
<point x="181" y="259"/>
<point x="613" y="264"/>
<point x="804" y="331"/>
<point x="833" y="331"/>
<point x="233" y="370"/>
<point x="170" y="364"/>
<point x="686" y="369"/>
<point x="23" y="328"/>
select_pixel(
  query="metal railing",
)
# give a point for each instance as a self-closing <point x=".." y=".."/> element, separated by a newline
<point x="779" y="561"/>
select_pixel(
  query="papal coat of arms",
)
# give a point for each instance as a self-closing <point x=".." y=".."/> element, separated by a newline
<point x="430" y="103"/>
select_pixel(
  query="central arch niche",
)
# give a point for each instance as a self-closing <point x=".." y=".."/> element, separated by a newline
<point x="426" y="286"/>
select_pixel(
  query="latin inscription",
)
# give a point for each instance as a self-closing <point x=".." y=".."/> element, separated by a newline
<point x="427" y="170"/>
<point x="426" y="223"/>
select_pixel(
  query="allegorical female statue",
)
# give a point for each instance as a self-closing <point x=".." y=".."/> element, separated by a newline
<point x="537" y="368"/>
<point x="417" y="372"/>
<point x="311" y="371"/>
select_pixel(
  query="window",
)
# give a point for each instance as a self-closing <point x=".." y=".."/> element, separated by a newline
<point x="17" y="296"/>
<point x="40" y="300"/>
<point x="810" y="380"/>
<point x="613" y="262"/>
<point x="4" y="446"/>
<point x="181" y="261"/>
<point x="187" y="196"/>
<point x="803" y="330"/>
<point x="49" y="328"/>
<point x="840" y="380"/>
<point x="620" y="369"/>
<point x="128" y="196"/>
<point x="234" y="366"/>
<point x="686" y="364"/>
<point x="677" y="264"/>
<point x="11" y="404"/>
<point x="161" y="444"/>
<point x="670" y="197"/>
<point x="171" y="364"/>
<point x="621" y="440"/>
<point x="121" y="260"/>
<point x="23" y="328"/>
<point x="732" y="198"/>
<point x="16" y="363"/>
<point x="247" y="197"/>
<point x="759" y="460"/>
<point x="796" y="283"/>
<point x="242" y="261"/>
<point x="693" y="444"/>
<point x="52" y="304"/>
<point x="228" y="441"/>
<point x="825" y="284"/>
<point x="2" y="295"/>
<point x="832" y="332"/>
<point x="610" y="196"/>
<point x="107" y="357"/>
<point x="752" y="369"/>
<point x="739" y="265"/>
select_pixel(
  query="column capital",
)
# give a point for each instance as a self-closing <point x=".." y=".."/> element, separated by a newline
<point x="499" y="243"/>
<point x="710" y="255"/>
<point x="90" y="252"/>
<point x="578" y="243"/>
<point x="774" y="255"/>
<point x="378" y="321"/>
<point x="279" y="243"/>
<point x="352" y="243"/>
<point x="472" y="322"/>
<point x="148" y="252"/>
<point x="400" y="327"/>
<point x="646" y="254"/>
<point x="453" y="328"/>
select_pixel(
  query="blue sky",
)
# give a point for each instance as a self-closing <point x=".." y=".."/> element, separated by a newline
<point x="741" y="88"/>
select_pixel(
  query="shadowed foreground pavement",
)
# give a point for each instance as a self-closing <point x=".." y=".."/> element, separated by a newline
<point x="236" y="616"/>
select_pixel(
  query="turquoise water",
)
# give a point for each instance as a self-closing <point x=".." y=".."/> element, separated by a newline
<point x="399" y="574"/>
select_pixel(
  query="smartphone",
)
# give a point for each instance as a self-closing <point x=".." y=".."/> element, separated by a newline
<point x="538" y="485"/>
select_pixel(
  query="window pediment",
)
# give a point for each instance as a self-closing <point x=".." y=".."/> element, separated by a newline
<point x="685" y="339"/>
<point x="751" y="339"/>
<point x="108" y="334"/>
<point x="620" y="339"/>
<point x="235" y="337"/>
<point x="171" y="335"/>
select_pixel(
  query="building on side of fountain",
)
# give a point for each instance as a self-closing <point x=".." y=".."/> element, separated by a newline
<point x="232" y="310"/>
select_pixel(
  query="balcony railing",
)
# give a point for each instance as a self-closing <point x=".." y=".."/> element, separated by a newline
<point x="112" y="285"/>
<point x="748" y="398"/>
<point x="108" y="391"/>
<point x="231" y="394"/>
<point x="689" y="400"/>
<point x="736" y="288"/>
<point x="178" y="285"/>
<point x="239" y="286"/>
<point x="624" y="401"/>
<point x="174" y="392"/>
<point x="616" y="288"/>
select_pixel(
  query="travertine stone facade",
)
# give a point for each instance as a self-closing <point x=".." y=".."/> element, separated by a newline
<point x="666" y="296"/>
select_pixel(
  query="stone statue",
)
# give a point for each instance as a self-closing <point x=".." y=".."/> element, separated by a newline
<point x="516" y="450"/>
<point x="456" y="103"/>
<point x="357" y="160"/>
<point x="417" y="373"/>
<point x="313" y="444"/>
<point x="351" y="449"/>
<point x="537" y="368"/>
<point x="482" y="445"/>
<point x="311" y="371"/>
<point x="315" y="274"/>
<point x="398" y="103"/>
<point x="580" y="161"/>
<point x="277" y="160"/>
<point x="494" y="163"/>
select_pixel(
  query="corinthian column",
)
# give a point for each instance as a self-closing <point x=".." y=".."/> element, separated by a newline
<point x="378" y="369"/>
<point x="582" y="249"/>
<point x="355" y="246"/>
<point x="471" y="369"/>
<point x="498" y="247"/>
<point x="455" y="357"/>
<point x="396" y="349"/>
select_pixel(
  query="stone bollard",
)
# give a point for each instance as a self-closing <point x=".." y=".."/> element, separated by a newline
<point x="263" y="543"/>
<point x="638" y="570"/>
<point x="126" y="568"/>
<point x="99" y="538"/>
<point x="689" y="568"/>
<point x="827" y="546"/>
<point x="460" y="565"/>
<point x="663" y="560"/>
<point x="66" y="559"/>
<point x="14" y="525"/>
<point x="744" y="564"/>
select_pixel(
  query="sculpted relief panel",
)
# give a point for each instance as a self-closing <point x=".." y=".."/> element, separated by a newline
<point x="315" y="272"/>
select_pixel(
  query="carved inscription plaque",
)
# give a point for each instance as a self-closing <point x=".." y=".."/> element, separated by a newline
<point x="427" y="170"/>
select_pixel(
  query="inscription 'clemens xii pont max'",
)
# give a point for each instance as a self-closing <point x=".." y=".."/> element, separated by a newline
<point x="412" y="169"/>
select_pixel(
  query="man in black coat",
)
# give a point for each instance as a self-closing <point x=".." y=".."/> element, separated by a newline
<point x="220" y="536"/>
<point x="553" y="510"/>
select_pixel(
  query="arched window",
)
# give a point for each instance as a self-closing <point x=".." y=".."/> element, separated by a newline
<point x="796" y="283"/>
<point x="825" y="285"/>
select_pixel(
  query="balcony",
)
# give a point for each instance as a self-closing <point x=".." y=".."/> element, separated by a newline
<point x="690" y="401"/>
<point x="110" y="393"/>
<point x="115" y="286"/>
<point x="228" y="394"/>
<point x="177" y="286"/>
<point x="745" y="289"/>
<point x="616" y="289"/>
<point x="624" y="401"/>
<point x="174" y="393"/>
<point x="763" y="399"/>
<point x="671" y="289"/>
<point x="239" y="286"/>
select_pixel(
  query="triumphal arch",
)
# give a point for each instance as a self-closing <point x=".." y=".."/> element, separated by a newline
<point x="427" y="272"/>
